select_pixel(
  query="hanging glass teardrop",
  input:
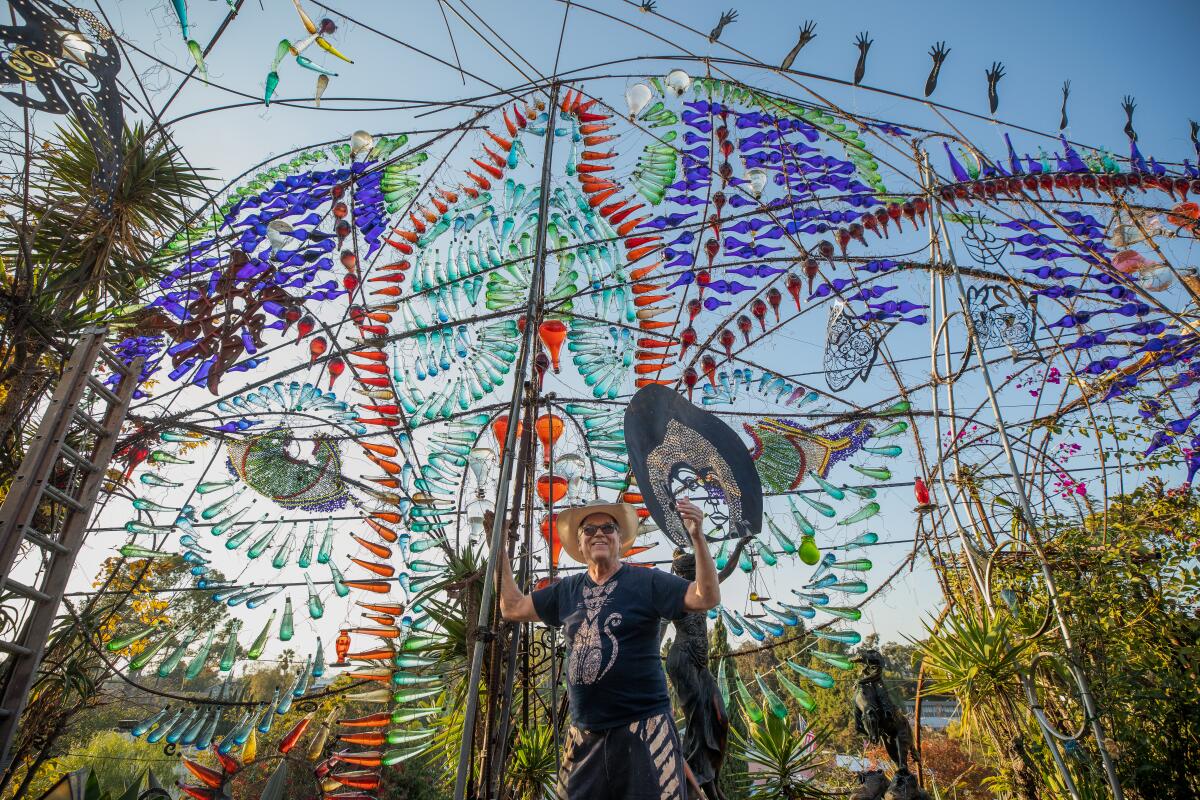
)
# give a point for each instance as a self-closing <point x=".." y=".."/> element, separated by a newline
<point x="822" y="679"/>
<point x="229" y="656"/>
<point x="287" y="627"/>
<point x="197" y="662"/>
<point x="866" y="512"/>
<point x="306" y="552"/>
<point x="260" y="642"/>
<point x="326" y="549"/>
<point x="773" y="702"/>
<point x="802" y="697"/>
<point x="809" y="552"/>
<point x="316" y="609"/>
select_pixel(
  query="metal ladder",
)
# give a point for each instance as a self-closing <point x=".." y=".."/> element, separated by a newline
<point x="55" y="488"/>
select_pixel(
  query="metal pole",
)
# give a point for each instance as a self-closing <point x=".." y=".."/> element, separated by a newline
<point x="1085" y="693"/>
<point x="533" y="310"/>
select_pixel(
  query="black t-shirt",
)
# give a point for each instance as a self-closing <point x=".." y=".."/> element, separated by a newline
<point x="614" y="671"/>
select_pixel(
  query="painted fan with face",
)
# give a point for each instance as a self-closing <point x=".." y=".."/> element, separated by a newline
<point x="675" y="446"/>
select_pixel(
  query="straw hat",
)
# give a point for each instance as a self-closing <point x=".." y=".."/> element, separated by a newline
<point x="568" y="523"/>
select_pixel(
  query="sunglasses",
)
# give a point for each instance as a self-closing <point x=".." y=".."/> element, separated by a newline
<point x="607" y="529"/>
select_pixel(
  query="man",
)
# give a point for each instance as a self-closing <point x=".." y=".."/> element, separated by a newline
<point x="622" y="744"/>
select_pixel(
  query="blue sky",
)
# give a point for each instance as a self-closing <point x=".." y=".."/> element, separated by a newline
<point x="1101" y="47"/>
<point x="1106" y="49"/>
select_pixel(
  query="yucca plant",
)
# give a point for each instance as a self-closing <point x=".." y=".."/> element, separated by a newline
<point x="74" y="256"/>
<point x="531" y="769"/>
<point x="781" y="760"/>
<point x="977" y="658"/>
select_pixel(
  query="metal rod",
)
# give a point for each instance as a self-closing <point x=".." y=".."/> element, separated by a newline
<point x="968" y="557"/>
<point x="532" y="310"/>
<point x="1085" y="693"/>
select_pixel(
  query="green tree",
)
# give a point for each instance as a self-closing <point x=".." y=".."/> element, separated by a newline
<point x="73" y="256"/>
<point x="1128" y="586"/>
<point x="116" y="759"/>
<point x="77" y="692"/>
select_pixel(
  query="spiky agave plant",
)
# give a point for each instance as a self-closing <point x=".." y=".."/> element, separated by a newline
<point x="72" y="257"/>
<point x="531" y="768"/>
<point x="978" y="658"/>
<point x="781" y="759"/>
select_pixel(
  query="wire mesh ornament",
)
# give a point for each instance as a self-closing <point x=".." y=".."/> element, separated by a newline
<point x="851" y="346"/>
<point x="986" y="248"/>
<point x="1001" y="317"/>
<point x="267" y="465"/>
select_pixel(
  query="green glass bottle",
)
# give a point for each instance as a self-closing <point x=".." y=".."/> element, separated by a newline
<point x="801" y="522"/>
<point x="197" y="662"/>
<point x="824" y="509"/>
<point x="133" y="551"/>
<point x="723" y="681"/>
<point x="749" y="707"/>
<point x="318" y="668"/>
<point x="822" y="679"/>
<point x="154" y="479"/>
<point x="142" y="504"/>
<point x="260" y="643"/>
<point x="143" y="658"/>
<point x="775" y="704"/>
<point x="225" y="525"/>
<point x="325" y="552"/>
<point x="284" y="551"/>
<point x="852" y="614"/>
<point x="835" y="659"/>
<point x="785" y="542"/>
<point x="806" y="700"/>
<point x="121" y="642"/>
<point x="287" y="626"/>
<point x="339" y="583"/>
<point x="875" y="473"/>
<point x="316" y="609"/>
<point x="229" y="656"/>
<point x="306" y="552"/>
<point x="864" y="513"/>
<point x="239" y="538"/>
<point x="172" y="661"/>
<point x="845" y="637"/>
<point x="260" y="546"/>
<point x="827" y="487"/>
<point x="163" y="457"/>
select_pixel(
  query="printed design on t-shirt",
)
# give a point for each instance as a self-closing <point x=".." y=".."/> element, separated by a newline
<point x="587" y="656"/>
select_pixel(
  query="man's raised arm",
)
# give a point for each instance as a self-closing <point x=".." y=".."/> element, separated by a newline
<point x="515" y="605"/>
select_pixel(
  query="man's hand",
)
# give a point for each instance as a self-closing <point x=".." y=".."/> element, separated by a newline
<point x="693" y="518"/>
<point x="704" y="592"/>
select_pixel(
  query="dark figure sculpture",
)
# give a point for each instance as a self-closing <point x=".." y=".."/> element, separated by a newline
<point x="877" y="717"/>
<point x="707" y="723"/>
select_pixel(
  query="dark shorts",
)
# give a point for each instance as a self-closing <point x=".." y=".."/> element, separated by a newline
<point x="638" y="761"/>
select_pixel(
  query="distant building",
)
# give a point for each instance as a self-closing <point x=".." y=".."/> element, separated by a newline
<point x="936" y="712"/>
